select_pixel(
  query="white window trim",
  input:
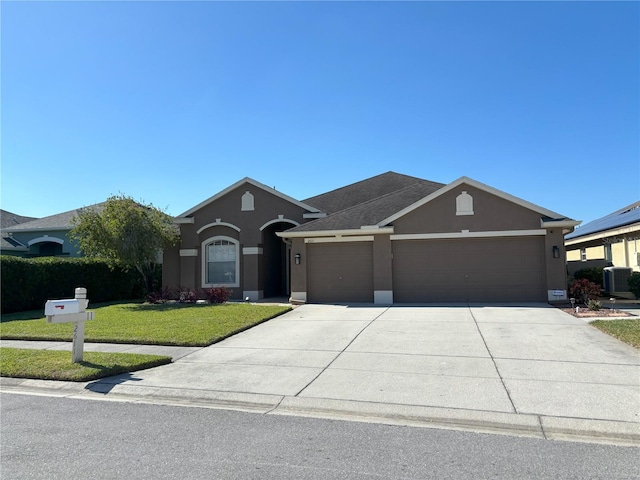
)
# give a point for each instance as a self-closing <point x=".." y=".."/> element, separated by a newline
<point x="204" y="262"/>
<point x="45" y="239"/>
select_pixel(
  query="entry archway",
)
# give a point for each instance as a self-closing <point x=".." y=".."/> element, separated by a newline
<point x="276" y="260"/>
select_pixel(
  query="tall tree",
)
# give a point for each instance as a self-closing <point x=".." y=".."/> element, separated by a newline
<point x="127" y="232"/>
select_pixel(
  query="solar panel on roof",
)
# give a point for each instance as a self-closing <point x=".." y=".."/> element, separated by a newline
<point x="625" y="216"/>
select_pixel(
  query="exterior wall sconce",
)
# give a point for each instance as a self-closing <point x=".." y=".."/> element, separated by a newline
<point x="297" y="258"/>
<point x="556" y="252"/>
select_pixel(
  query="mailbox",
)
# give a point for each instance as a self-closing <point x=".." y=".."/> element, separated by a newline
<point x="61" y="307"/>
<point x="71" y="310"/>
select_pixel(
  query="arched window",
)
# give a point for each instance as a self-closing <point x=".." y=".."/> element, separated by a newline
<point x="221" y="262"/>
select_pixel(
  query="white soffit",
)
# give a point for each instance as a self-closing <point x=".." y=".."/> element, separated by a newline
<point x="335" y="233"/>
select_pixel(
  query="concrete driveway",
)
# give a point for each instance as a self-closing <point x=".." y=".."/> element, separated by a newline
<point x="530" y="370"/>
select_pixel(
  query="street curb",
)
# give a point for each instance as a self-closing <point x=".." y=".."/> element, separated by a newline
<point x="552" y="428"/>
<point x="506" y="423"/>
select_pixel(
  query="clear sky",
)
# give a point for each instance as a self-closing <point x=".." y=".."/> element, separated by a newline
<point x="171" y="102"/>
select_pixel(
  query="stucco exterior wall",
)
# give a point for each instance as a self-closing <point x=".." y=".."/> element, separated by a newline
<point x="490" y="213"/>
<point x="245" y="214"/>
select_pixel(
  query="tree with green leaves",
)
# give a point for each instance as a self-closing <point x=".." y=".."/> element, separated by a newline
<point x="126" y="232"/>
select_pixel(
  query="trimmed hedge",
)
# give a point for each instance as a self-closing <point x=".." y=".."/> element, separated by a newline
<point x="634" y="284"/>
<point x="592" y="274"/>
<point x="27" y="283"/>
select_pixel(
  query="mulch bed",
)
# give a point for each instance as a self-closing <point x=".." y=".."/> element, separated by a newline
<point x="584" y="312"/>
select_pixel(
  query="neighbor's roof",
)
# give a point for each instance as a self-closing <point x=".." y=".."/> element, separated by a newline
<point x="8" y="219"/>
<point x="620" y="218"/>
<point x="60" y="221"/>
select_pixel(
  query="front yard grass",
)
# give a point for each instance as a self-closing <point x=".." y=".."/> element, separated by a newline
<point x="627" y="330"/>
<point x="166" y="324"/>
<point x="57" y="365"/>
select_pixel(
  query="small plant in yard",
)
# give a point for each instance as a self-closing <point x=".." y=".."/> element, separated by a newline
<point x="217" y="294"/>
<point x="186" y="295"/>
<point x="584" y="290"/>
<point x="161" y="296"/>
<point x="594" y="305"/>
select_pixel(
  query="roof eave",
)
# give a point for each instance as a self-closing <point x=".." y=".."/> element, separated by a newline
<point x="36" y="229"/>
<point x="560" y="223"/>
<point x="365" y="230"/>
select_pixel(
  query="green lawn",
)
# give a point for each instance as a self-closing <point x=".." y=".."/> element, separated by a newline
<point x="57" y="365"/>
<point x="166" y="324"/>
<point x="626" y="330"/>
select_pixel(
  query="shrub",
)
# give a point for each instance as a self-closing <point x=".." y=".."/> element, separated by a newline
<point x="161" y="296"/>
<point x="594" y="305"/>
<point x="634" y="283"/>
<point x="217" y="294"/>
<point x="584" y="290"/>
<point x="592" y="274"/>
<point x="186" y="295"/>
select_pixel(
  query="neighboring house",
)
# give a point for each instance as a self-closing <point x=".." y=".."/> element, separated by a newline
<point x="43" y="237"/>
<point x="613" y="240"/>
<point x="390" y="238"/>
<point x="9" y="246"/>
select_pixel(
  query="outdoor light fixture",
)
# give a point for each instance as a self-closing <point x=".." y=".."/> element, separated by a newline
<point x="298" y="257"/>
<point x="556" y="252"/>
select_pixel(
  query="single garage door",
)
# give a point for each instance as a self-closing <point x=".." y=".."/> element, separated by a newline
<point x="340" y="272"/>
<point x="469" y="270"/>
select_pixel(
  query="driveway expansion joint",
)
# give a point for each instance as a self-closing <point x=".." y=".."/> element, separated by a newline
<point x="495" y="365"/>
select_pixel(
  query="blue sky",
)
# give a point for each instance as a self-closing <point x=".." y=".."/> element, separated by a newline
<point x="171" y="102"/>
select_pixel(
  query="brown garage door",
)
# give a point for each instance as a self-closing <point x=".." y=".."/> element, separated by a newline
<point x="340" y="272"/>
<point x="469" y="270"/>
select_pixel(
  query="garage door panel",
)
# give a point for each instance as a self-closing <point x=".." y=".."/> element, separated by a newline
<point x="340" y="272"/>
<point x="484" y="270"/>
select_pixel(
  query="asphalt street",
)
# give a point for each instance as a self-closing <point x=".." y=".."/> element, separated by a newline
<point x="48" y="438"/>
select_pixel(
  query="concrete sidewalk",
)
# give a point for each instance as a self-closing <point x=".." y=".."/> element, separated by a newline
<point x="175" y="353"/>
<point x="526" y="370"/>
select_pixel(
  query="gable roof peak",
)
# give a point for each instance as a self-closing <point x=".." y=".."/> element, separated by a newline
<point x="255" y="183"/>
<point x="479" y="185"/>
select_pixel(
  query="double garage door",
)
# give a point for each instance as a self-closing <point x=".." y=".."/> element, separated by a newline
<point x="470" y="270"/>
<point x="477" y="270"/>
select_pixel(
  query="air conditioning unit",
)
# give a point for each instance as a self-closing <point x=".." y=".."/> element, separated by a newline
<point x="615" y="279"/>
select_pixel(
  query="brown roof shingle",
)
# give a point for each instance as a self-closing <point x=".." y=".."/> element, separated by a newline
<point x="401" y="191"/>
<point x="364" y="191"/>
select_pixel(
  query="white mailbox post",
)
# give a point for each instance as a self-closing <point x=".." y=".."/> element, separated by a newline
<point x="71" y="310"/>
